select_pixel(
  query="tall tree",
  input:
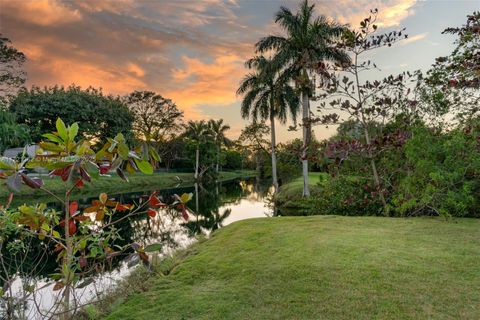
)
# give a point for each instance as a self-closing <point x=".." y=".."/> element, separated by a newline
<point x="254" y="139"/>
<point x="12" y="76"/>
<point x="366" y="101"/>
<point x="98" y="115"/>
<point x="198" y="132"/>
<point x="218" y="129"/>
<point x="454" y="81"/>
<point x="267" y="96"/>
<point x="308" y="41"/>
<point x="155" y="116"/>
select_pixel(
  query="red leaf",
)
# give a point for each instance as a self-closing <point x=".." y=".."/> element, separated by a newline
<point x="57" y="172"/>
<point x="185" y="213"/>
<point x="152" y="213"/>
<point x="58" y="286"/>
<point x="83" y="262"/>
<point x="66" y="173"/>
<point x="33" y="183"/>
<point x="84" y="174"/>
<point x="73" y="207"/>
<point x="104" y="169"/>
<point x="143" y="256"/>
<point x="72" y="227"/>
<point x="155" y="202"/>
<point x="79" y="183"/>
<point x="124" y="207"/>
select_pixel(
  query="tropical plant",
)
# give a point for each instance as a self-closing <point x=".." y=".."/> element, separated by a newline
<point x="308" y="42"/>
<point x="218" y="129"/>
<point x="267" y="96"/>
<point x="83" y="240"/>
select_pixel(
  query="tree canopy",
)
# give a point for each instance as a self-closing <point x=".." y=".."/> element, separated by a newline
<point x="155" y="117"/>
<point x="98" y="115"/>
<point x="12" y="76"/>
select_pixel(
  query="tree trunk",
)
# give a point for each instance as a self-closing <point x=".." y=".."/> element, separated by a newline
<point x="197" y="162"/>
<point x="218" y="158"/>
<point x="306" y="140"/>
<point x="67" y="262"/>
<point x="196" y="200"/>
<point x="376" y="177"/>
<point x="274" y="156"/>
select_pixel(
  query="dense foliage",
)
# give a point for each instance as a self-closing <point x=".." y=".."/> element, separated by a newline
<point x="98" y="115"/>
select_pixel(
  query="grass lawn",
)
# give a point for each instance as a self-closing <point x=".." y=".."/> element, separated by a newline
<point x="290" y="196"/>
<point x="321" y="267"/>
<point x="115" y="184"/>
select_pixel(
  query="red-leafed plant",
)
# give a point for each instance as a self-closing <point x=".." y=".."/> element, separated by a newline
<point x="82" y="239"/>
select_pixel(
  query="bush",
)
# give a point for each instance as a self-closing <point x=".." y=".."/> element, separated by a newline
<point x="443" y="175"/>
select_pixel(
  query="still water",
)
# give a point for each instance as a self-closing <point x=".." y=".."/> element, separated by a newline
<point x="213" y="206"/>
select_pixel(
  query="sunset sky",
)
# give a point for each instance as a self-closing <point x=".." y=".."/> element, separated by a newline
<point x="193" y="51"/>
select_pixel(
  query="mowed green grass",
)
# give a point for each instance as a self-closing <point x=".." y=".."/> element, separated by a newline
<point x="322" y="267"/>
<point x="290" y="196"/>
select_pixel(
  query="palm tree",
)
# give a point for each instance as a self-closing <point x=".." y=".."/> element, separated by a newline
<point x="197" y="131"/>
<point x="308" y="43"/>
<point x="218" y="129"/>
<point x="267" y="96"/>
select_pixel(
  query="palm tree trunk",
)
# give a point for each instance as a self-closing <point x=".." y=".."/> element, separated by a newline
<point x="218" y="158"/>
<point x="306" y="140"/>
<point x="274" y="155"/>
<point x="197" y="161"/>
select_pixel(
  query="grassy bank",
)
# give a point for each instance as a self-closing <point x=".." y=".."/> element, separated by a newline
<point x="321" y="267"/>
<point x="114" y="184"/>
<point x="289" y="199"/>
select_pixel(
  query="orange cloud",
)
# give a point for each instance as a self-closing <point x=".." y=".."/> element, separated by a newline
<point x="135" y="70"/>
<point x="207" y="83"/>
<point x="41" y="12"/>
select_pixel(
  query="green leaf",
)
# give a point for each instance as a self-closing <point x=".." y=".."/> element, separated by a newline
<point x="119" y="137"/>
<point x="92" y="169"/>
<point x="61" y="129"/>
<point x="45" y="227"/>
<point x="72" y="131"/>
<point x="144" y="166"/>
<point x="123" y="150"/>
<point x="154" y="154"/>
<point x="7" y="163"/>
<point x="49" y="146"/>
<point x="153" y="247"/>
<point x="52" y="137"/>
<point x="14" y="182"/>
<point x="82" y="244"/>
<point x="56" y="234"/>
